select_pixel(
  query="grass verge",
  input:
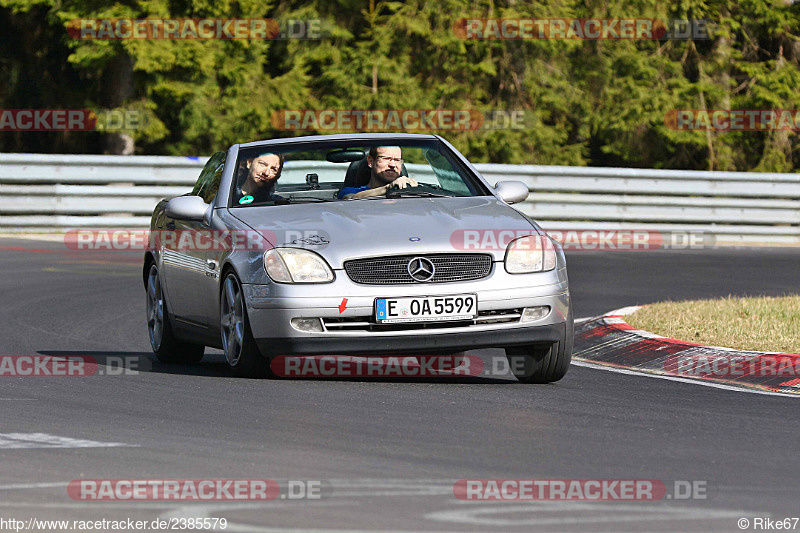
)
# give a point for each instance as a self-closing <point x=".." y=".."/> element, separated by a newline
<point x="760" y="323"/>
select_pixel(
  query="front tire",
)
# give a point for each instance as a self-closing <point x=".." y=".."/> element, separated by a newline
<point x="241" y="352"/>
<point x="166" y="346"/>
<point x="543" y="363"/>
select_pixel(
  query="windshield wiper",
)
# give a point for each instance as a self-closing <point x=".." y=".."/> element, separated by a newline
<point x="416" y="194"/>
<point x="300" y="199"/>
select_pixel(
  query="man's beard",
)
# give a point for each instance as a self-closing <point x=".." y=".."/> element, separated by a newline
<point x="386" y="177"/>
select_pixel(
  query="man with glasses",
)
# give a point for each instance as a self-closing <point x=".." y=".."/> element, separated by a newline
<point x="385" y="164"/>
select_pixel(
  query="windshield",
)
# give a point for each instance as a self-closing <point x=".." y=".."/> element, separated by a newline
<point x="342" y="171"/>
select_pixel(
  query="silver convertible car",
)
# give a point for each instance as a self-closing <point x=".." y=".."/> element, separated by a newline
<point x="362" y="244"/>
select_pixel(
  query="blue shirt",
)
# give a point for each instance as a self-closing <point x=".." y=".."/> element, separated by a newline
<point x="351" y="190"/>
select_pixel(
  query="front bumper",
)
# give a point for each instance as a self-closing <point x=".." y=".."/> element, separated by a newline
<point x="422" y="343"/>
<point x="270" y="322"/>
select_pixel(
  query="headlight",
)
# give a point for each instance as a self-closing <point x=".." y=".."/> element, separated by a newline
<point x="294" y="265"/>
<point x="532" y="253"/>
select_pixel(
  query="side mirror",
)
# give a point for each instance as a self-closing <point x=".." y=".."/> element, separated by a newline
<point x="511" y="192"/>
<point x="187" y="208"/>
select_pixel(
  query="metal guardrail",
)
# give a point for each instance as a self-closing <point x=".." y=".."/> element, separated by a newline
<point x="59" y="192"/>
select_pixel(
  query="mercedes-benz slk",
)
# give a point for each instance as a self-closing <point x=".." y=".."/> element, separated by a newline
<point x="441" y="264"/>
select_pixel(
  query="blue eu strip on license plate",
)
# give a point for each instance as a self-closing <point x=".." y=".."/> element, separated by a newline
<point x="426" y="308"/>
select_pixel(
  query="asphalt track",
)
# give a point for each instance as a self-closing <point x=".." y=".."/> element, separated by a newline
<point x="391" y="450"/>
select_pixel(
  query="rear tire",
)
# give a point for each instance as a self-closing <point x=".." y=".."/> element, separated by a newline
<point x="166" y="346"/>
<point x="241" y="352"/>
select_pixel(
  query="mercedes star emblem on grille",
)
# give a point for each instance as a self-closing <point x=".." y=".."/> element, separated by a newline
<point x="421" y="269"/>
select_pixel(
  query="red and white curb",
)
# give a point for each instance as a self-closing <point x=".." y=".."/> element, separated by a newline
<point x="610" y="343"/>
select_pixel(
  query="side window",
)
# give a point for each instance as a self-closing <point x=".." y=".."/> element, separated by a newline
<point x="208" y="182"/>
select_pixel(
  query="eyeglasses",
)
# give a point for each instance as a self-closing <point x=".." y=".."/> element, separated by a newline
<point x="398" y="160"/>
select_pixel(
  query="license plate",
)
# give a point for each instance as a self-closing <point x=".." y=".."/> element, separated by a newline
<point x="426" y="308"/>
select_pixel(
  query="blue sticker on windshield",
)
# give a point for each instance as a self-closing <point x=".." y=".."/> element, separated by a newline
<point x="246" y="199"/>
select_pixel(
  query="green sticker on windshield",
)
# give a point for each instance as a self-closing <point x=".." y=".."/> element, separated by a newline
<point x="246" y="199"/>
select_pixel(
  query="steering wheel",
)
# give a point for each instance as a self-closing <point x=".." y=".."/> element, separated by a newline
<point x="422" y="187"/>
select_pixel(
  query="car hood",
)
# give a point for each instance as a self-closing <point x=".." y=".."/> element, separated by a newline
<point x="363" y="228"/>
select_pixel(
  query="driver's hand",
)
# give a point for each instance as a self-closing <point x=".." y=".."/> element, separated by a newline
<point x="402" y="182"/>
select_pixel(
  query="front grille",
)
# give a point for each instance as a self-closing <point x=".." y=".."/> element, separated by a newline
<point x="394" y="270"/>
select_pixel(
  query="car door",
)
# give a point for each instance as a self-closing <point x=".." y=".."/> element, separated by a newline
<point x="185" y="255"/>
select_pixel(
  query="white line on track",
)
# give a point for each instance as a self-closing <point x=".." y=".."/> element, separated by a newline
<point x="247" y="528"/>
<point x="43" y="440"/>
<point x="467" y="513"/>
<point x="596" y="366"/>
<point x="20" y="486"/>
<point x="470" y="513"/>
<point x="574" y="513"/>
<point x="131" y="505"/>
<point x="389" y="482"/>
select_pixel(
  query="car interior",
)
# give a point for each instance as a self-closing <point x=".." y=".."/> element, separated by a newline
<point x="306" y="176"/>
